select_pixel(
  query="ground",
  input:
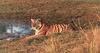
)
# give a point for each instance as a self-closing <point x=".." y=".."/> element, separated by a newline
<point x="75" y="41"/>
<point x="71" y="42"/>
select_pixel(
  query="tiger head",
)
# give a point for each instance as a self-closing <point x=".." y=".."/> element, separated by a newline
<point x="36" y="24"/>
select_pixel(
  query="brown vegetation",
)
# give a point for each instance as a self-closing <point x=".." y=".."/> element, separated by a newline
<point x="71" y="42"/>
<point x="80" y="15"/>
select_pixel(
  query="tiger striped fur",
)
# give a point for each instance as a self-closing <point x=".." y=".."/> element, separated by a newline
<point x="43" y="29"/>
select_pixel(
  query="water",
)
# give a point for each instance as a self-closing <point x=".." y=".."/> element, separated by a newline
<point x="14" y="30"/>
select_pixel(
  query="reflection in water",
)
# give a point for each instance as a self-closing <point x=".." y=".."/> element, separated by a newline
<point x="15" y="31"/>
<point x="21" y="30"/>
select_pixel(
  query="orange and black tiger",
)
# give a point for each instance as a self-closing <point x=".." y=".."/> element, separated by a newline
<point x="43" y="29"/>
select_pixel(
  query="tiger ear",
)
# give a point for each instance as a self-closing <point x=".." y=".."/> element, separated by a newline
<point x="32" y="20"/>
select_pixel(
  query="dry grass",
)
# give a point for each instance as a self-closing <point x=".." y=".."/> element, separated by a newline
<point x="71" y="42"/>
<point x="79" y="41"/>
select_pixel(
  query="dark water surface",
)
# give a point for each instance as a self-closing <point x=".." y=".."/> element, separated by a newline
<point x="14" y="29"/>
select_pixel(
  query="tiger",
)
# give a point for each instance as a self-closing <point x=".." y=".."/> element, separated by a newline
<point x="44" y="29"/>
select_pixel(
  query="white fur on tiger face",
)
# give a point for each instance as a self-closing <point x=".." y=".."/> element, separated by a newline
<point x="36" y="24"/>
